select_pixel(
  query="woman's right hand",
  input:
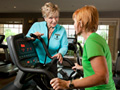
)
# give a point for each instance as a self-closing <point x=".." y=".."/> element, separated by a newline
<point x="38" y="34"/>
<point x="77" y="66"/>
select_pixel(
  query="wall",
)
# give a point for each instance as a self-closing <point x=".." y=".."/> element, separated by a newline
<point x="35" y="16"/>
<point x="30" y="18"/>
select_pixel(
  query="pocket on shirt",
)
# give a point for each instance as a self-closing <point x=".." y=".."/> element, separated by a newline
<point x="57" y="36"/>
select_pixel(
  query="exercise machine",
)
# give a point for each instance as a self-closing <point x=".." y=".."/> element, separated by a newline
<point x="116" y="72"/>
<point x="24" y="56"/>
<point x="6" y="66"/>
<point x="64" y="70"/>
<point x="77" y="50"/>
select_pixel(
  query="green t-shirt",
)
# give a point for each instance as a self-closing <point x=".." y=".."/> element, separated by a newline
<point x="95" y="45"/>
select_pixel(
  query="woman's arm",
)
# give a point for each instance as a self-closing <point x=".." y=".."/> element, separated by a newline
<point x="63" y="44"/>
<point x="101" y="76"/>
<point x="77" y="67"/>
<point x="63" y="47"/>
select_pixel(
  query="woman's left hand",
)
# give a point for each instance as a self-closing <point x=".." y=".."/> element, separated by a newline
<point x="59" y="56"/>
<point x="59" y="84"/>
<point x="77" y="67"/>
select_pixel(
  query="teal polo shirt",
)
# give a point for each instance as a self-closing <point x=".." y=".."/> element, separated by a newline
<point x="57" y="43"/>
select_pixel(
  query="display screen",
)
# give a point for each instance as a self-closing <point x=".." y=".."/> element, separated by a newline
<point x="25" y="49"/>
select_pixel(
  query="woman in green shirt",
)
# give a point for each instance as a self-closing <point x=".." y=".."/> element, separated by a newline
<point x="96" y="60"/>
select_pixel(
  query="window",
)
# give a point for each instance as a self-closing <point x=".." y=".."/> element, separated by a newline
<point x="10" y="29"/>
<point x="103" y="30"/>
<point x="10" y="26"/>
<point x="70" y="30"/>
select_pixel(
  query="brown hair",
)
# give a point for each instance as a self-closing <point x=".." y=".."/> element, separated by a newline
<point x="49" y="9"/>
<point x="88" y="15"/>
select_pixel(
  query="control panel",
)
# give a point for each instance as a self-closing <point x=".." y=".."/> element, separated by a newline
<point x="26" y="52"/>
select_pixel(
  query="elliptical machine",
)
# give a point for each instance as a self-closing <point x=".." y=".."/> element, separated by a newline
<point x="24" y="56"/>
<point x="64" y="71"/>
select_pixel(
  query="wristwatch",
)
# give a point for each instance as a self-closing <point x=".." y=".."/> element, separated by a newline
<point x="71" y="86"/>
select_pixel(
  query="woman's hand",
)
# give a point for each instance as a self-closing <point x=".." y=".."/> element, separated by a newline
<point x="59" y="84"/>
<point x="59" y="56"/>
<point x="77" y="66"/>
<point x="38" y="34"/>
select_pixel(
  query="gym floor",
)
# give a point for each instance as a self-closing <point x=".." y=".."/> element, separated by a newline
<point x="4" y="81"/>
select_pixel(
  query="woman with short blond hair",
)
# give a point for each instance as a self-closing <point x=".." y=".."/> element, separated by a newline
<point x="49" y="9"/>
<point x="53" y="34"/>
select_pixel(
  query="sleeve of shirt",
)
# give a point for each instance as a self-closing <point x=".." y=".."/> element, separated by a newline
<point x="31" y="30"/>
<point x="94" y="49"/>
<point x="64" y="44"/>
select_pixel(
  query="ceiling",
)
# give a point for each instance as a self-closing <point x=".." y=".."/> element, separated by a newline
<point x="33" y="6"/>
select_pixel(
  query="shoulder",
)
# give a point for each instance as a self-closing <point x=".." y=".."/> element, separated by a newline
<point x="60" y="27"/>
<point x="40" y="23"/>
<point x="95" y="44"/>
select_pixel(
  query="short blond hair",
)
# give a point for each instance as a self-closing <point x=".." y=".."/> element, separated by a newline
<point x="49" y="9"/>
<point x="89" y="16"/>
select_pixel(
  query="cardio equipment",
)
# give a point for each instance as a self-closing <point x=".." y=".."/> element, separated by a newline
<point x="6" y="66"/>
<point x="76" y="47"/>
<point x="116" y="72"/>
<point x="64" y="70"/>
<point x="24" y="56"/>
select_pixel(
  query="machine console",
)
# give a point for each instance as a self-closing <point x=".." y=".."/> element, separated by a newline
<point x="26" y="52"/>
<point x="24" y="55"/>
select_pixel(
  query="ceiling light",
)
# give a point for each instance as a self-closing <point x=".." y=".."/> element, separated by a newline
<point x="14" y="7"/>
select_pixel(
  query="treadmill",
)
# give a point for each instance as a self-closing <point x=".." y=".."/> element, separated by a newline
<point x="6" y="66"/>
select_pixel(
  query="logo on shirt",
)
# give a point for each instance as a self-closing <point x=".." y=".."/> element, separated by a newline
<point x="57" y="36"/>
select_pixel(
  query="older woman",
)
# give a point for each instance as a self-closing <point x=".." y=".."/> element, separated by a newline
<point x="53" y="34"/>
<point x="96" y="59"/>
